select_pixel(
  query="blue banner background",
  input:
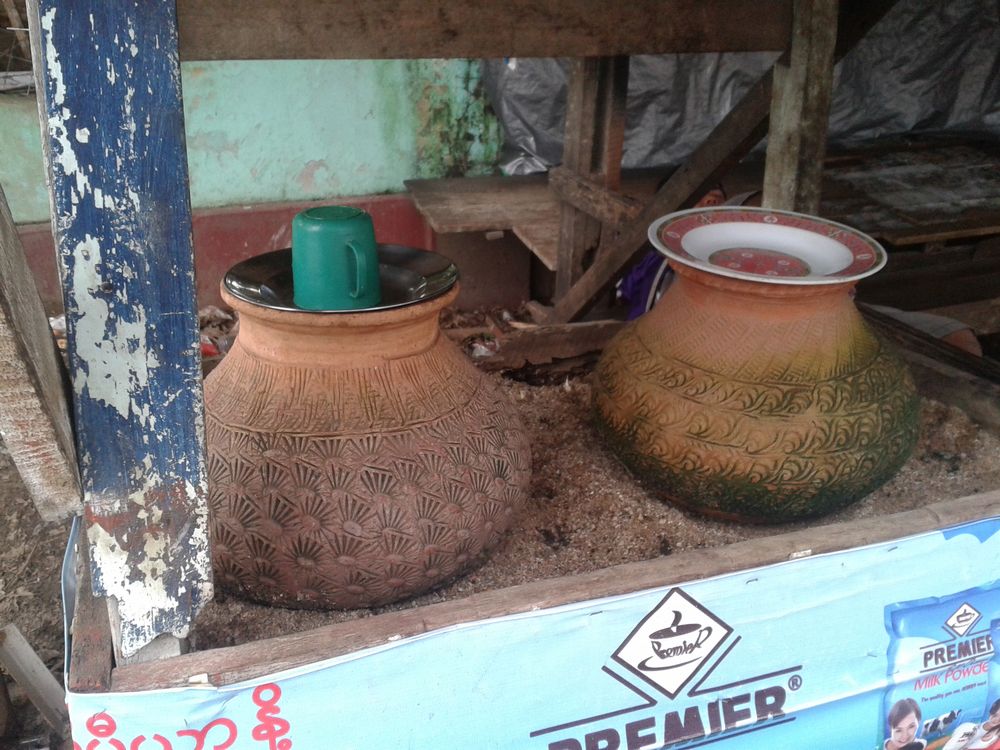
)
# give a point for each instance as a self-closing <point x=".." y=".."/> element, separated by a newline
<point x="810" y="632"/>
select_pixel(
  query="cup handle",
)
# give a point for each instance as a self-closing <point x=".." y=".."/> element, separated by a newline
<point x="361" y="270"/>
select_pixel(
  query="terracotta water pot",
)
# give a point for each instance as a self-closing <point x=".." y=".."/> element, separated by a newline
<point x="354" y="458"/>
<point x="754" y="390"/>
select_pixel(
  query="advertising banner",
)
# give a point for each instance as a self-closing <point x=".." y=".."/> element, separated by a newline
<point x="887" y="647"/>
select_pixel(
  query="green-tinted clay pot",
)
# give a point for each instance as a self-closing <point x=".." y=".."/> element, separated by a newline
<point x="752" y="396"/>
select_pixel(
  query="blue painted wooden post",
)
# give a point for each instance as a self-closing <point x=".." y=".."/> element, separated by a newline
<point x="113" y="128"/>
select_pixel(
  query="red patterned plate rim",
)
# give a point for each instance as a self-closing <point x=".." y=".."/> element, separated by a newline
<point x="761" y="264"/>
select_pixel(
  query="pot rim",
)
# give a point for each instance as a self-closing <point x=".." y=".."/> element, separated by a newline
<point x="409" y="277"/>
<point x="860" y="255"/>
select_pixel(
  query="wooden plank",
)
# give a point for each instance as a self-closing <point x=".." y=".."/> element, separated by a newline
<point x="943" y="231"/>
<point x="977" y="397"/>
<point x="90" y="647"/>
<point x="592" y="149"/>
<point x="34" y="420"/>
<point x="362" y="29"/>
<point x="612" y="101"/>
<point x="21" y="662"/>
<point x="911" y="339"/>
<point x="918" y="192"/>
<point x="472" y="204"/>
<point x="541" y="236"/>
<point x="545" y="344"/>
<point x="587" y="195"/>
<point x="226" y="666"/>
<point x="578" y="232"/>
<point x="113" y="134"/>
<point x="523" y="204"/>
<point x="800" y="110"/>
<point x="940" y="279"/>
<point x="739" y="131"/>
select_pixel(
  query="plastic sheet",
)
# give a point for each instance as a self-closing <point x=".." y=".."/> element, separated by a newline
<point x="924" y="67"/>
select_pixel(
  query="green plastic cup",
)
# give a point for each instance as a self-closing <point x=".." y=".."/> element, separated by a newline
<point x="334" y="259"/>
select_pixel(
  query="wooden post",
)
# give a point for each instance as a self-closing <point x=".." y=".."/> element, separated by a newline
<point x="113" y="134"/>
<point x="800" y="110"/>
<point x="34" y="419"/>
<point x="732" y="138"/>
<point x="595" y="134"/>
<point x="739" y="131"/>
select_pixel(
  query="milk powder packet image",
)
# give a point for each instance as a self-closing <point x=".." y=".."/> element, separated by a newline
<point x="939" y="656"/>
<point x="986" y="735"/>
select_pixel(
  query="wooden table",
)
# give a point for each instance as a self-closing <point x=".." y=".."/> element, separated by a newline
<point x="108" y="75"/>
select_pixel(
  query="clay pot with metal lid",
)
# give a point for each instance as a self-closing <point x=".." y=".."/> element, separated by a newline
<point x="754" y="391"/>
<point x="354" y="458"/>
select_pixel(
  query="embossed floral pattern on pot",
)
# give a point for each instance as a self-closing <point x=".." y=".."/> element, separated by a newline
<point x="355" y="459"/>
<point x="755" y="400"/>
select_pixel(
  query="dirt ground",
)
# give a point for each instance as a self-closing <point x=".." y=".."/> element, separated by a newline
<point x="585" y="512"/>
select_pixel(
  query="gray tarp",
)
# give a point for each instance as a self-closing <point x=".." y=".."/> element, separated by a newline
<point x="929" y="65"/>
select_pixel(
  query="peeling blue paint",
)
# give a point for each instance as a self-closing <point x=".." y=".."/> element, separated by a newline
<point x="122" y="222"/>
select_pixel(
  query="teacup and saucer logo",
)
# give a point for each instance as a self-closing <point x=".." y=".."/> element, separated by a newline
<point x="671" y="643"/>
<point x="962" y="619"/>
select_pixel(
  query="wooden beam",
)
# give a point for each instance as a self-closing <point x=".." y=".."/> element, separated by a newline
<point x="363" y="29"/>
<point x="34" y="420"/>
<point x="592" y="149"/>
<point x="612" y="98"/>
<point x="542" y="345"/>
<point x="225" y="666"/>
<point x="21" y="662"/>
<point x="113" y="136"/>
<point x="593" y="198"/>
<point x="578" y="232"/>
<point x="940" y="279"/>
<point x="975" y="226"/>
<point x="739" y="131"/>
<point x="800" y="110"/>
<point x="977" y="397"/>
<point x="474" y="204"/>
<point x="909" y="338"/>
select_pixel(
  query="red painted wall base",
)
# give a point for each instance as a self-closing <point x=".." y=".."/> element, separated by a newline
<point x="225" y="236"/>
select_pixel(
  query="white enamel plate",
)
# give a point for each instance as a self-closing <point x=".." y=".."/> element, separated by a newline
<point x="775" y="247"/>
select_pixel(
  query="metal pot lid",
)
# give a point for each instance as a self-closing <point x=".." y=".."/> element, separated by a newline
<point x="407" y="276"/>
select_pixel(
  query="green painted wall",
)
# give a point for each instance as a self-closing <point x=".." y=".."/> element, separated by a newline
<point x="264" y="131"/>
<point x="21" y="172"/>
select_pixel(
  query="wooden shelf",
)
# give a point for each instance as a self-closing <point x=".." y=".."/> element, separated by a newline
<point x="906" y="193"/>
<point x="524" y="205"/>
<point x="916" y="192"/>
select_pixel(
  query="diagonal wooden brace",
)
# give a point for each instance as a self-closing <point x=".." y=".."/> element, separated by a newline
<point x="738" y="132"/>
<point x="732" y="138"/>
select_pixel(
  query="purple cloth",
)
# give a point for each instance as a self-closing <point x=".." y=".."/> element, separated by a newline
<point x="636" y="288"/>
